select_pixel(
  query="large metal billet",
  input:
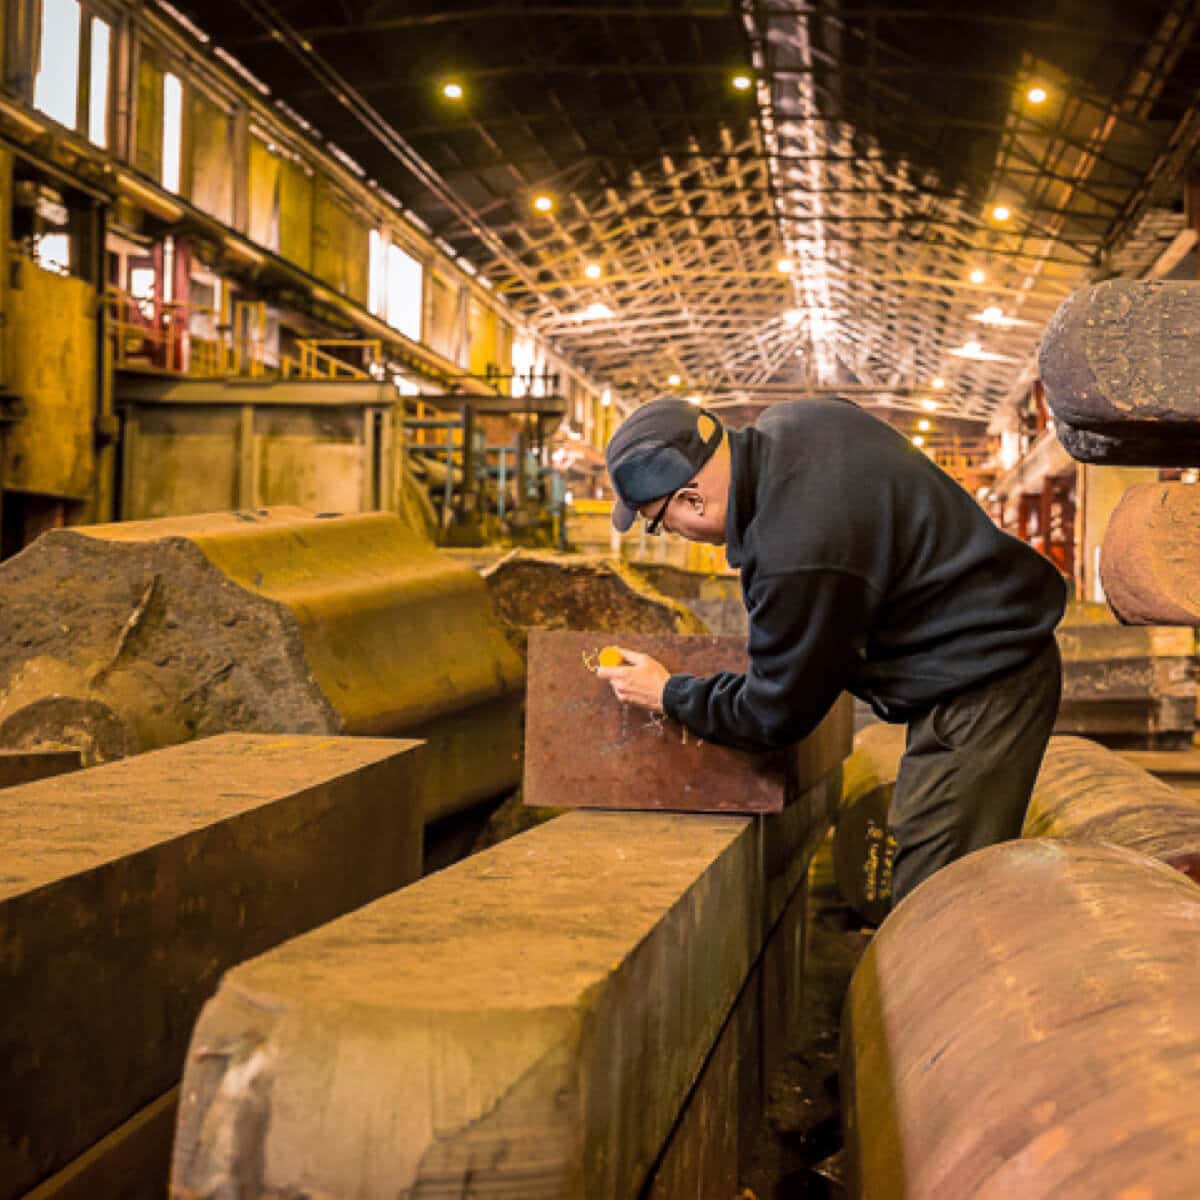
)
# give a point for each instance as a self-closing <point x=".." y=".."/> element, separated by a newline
<point x="1025" y="1024"/>
<point x="1083" y="791"/>
<point x="1118" y="361"/>
<point x="542" y="590"/>
<point x="117" y="639"/>
<point x="1089" y="793"/>
<point x="864" y="846"/>
<point x="1149" y="560"/>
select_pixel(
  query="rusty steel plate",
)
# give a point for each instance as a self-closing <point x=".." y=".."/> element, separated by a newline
<point x="585" y="749"/>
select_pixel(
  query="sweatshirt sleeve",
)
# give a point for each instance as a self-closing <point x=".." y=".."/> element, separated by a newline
<point x="806" y="628"/>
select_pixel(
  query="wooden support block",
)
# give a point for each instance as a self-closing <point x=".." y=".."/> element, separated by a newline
<point x="126" y="889"/>
<point x="1025" y="1025"/>
<point x="1150" y="560"/>
<point x="26" y="766"/>
<point x="584" y="748"/>
<point x="526" y="1023"/>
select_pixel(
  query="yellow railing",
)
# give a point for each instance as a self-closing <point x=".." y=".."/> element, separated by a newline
<point x="150" y="336"/>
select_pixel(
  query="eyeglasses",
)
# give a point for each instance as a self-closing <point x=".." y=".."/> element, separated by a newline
<point x="654" y="525"/>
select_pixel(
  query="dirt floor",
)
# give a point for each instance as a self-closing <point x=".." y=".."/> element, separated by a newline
<point x="798" y="1155"/>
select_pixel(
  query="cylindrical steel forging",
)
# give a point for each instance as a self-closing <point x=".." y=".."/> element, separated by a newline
<point x="1124" y="353"/>
<point x="1025" y="1024"/>
<point x="1150" y="559"/>
<point x="1089" y="793"/>
<point x="118" y="639"/>
<point x="863" y="845"/>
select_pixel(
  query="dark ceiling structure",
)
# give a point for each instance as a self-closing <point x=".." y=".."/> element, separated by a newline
<point x="891" y="208"/>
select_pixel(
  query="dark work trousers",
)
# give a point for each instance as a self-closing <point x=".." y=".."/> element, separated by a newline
<point x="969" y="768"/>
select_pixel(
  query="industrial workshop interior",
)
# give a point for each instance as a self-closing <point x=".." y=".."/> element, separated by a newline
<point x="598" y="600"/>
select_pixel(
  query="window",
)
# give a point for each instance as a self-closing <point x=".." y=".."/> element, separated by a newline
<point x="98" y="86"/>
<point x="377" y="285"/>
<point x="56" y="85"/>
<point x="172" y="142"/>
<point x="52" y="252"/>
<point x="404" y="279"/>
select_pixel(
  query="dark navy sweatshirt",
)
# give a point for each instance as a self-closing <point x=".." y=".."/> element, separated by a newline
<point x="864" y="568"/>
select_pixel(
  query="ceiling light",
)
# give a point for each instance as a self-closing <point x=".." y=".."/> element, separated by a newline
<point x="978" y="275"/>
<point x="452" y="91"/>
<point x="596" y="312"/>
<point x="606" y="398"/>
<point x="741" y="82"/>
<point x="929" y="405"/>
<point x="674" y="380"/>
<point x="992" y="315"/>
<point x="1001" y="212"/>
<point x="923" y="424"/>
<point x="918" y="440"/>
<point x="593" y="270"/>
<point x="972" y="347"/>
<point x="1036" y="95"/>
<point x="793" y="317"/>
<point x="937" y="383"/>
<point x="543" y="203"/>
<point x="784" y="266"/>
<point x="694" y="400"/>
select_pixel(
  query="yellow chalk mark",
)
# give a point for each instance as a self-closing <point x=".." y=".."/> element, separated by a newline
<point x="610" y="656"/>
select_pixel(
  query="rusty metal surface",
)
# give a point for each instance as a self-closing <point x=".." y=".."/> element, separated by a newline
<point x="1090" y="793"/>
<point x="584" y="748"/>
<point x="1150" y="560"/>
<point x="1025" y="1025"/>
<point x="864" y="847"/>
<point x="122" y="638"/>
<point x="541" y="589"/>
<point x="126" y="889"/>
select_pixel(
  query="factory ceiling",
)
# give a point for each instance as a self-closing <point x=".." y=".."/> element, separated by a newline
<point x="891" y="205"/>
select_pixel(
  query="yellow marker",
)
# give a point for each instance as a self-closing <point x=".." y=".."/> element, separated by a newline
<point x="610" y="656"/>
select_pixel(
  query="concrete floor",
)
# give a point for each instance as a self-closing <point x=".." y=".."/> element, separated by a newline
<point x="798" y="1154"/>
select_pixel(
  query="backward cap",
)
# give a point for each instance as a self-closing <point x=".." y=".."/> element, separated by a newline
<point x="655" y="451"/>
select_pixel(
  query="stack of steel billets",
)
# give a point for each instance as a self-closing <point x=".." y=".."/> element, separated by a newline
<point x="1130" y="688"/>
<point x="1025" y="1023"/>
<point x="582" y="1010"/>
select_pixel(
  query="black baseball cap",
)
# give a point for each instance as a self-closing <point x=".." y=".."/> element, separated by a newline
<point x="655" y="451"/>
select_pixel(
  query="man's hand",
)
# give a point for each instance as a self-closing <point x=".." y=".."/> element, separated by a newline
<point x="640" y="681"/>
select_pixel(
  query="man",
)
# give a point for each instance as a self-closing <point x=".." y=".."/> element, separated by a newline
<point x="864" y="568"/>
